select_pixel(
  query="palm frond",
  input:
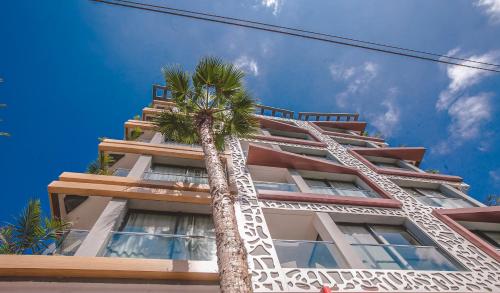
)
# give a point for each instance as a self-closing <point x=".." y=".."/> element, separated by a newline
<point x="7" y="244"/>
<point x="207" y="71"/>
<point x="135" y="133"/>
<point x="101" y="165"/>
<point x="178" y="127"/>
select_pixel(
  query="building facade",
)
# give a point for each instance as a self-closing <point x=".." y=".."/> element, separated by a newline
<point x="321" y="207"/>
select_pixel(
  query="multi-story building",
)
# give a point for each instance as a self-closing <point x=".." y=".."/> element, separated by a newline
<point x="321" y="207"/>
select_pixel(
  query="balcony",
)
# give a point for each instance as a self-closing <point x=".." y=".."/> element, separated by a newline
<point x="403" y="257"/>
<point x="70" y="242"/>
<point x="121" y="172"/>
<point x="161" y="246"/>
<point x="262" y="185"/>
<point x="173" y="177"/>
<point x="307" y="254"/>
<point x="444" y="202"/>
<point x="344" y="192"/>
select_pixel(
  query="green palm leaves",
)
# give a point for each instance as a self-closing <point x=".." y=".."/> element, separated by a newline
<point x="30" y="233"/>
<point x="214" y="91"/>
<point x="101" y="165"/>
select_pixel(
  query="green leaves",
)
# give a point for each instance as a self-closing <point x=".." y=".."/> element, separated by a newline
<point x="177" y="127"/>
<point x="101" y="165"/>
<point x="30" y="233"/>
<point x="215" y="91"/>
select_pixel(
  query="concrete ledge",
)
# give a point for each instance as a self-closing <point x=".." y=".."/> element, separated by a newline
<point x="290" y="140"/>
<point x="142" y="148"/>
<point x="329" y="199"/>
<point x="106" y="267"/>
<point x="128" y="192"/>
<point x="128" y="181"/>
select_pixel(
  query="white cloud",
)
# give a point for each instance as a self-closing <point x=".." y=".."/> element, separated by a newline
<point x="462" y="78"/>
<point x="358" y="78"/>
<point x="387" y="122"/>
<point x="495" y="175"/>
<point x="467" y="115"/>
<point x="275" y="5"/>
<point x="491" y="7"/>
<point x="247" y="64"/>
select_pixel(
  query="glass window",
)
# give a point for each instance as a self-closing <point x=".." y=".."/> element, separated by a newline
<point x="343" y="188"/>
<point x="435" y="198"/>
<point x="393" y="247"/>
<point x="164" y="236"/>
<point x="493" y="237"/>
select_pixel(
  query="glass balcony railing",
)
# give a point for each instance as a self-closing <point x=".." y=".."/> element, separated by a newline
<point x="262" y="185"/>
<point x="344" y="192"/>
<point x="307" y="254"/>
<point x="70" y="242"/>
<point x="444" y="202"/>
<point x="195" y="179"/>
<point x="403" y="257"/>
<point x="161" y="246"/>
<point x="121" y="172"/>
<point x="171" y="142"/>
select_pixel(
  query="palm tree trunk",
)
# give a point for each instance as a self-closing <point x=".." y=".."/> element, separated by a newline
<point x="231" y="254"/>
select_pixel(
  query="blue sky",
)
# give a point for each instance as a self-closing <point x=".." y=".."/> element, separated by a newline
<point x="75" y="70"/>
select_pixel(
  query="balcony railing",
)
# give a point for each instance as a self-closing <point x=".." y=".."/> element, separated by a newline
<point x="171" y="142"/>
<point x="345" y="192"/>
<point x="70" y="242"/>
<point x="307" y="254"/>
<point x="261" y="185"/>
<point x="403" y="257"/>
<point x="161" y="246"/>
<point x="444" y="202"/>
<point x="195" y="179"/>
<point x="121" y="172"/>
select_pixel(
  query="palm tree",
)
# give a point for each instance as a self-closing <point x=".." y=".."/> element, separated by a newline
<point x="30" y="233"/>
<point x="101" y="165"/>
<point x="493" y="200"/>
<point x="211" y="105"/>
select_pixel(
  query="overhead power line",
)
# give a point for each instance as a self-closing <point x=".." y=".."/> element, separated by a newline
<point x="378" y="47"/>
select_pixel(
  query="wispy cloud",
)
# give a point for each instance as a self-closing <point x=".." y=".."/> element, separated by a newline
<point x="461" y="78"/>
<point x="275" y="5"/>
<point x="468" y="112"/>
<point x="388" y="121"/>
<point x="491" y="8"/>
<point x="247" y="64"/>
<point x="495" y="176"/>
<point x="467" y="115"/>
<point x="358" y="79"/>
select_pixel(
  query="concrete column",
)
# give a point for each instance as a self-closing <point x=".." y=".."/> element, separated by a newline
<point x="108" y="221"/>
<point x="157" y="138"/>
<point x="295" y="177"/>
<point x="329" y="231"/>
<point x="143" y="164"/>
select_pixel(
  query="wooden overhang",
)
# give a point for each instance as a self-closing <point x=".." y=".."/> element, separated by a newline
<point x="263" y="156"/>
<point x="477" y="214"/>
<point x="150" y="111"/>
<point x="402" y="154"/>
<point x="124" y="187"/>
<point x="144" y="148"/>
<point x="348" y="135"/>
<point x="144" y="125"/>
<point x="346" y="125"/>
<point x="54" y="266"/>
<point x="415" y="154"/>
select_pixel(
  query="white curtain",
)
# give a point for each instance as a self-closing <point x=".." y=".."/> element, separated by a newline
<point x="164" y="237"/>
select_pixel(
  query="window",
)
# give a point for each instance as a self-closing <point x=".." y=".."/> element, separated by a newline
<point x="388" y="165"/>
<point x="492" y="237"/>
<point x="71" y="202"/>
<point x="342" y="188"/>
<point x="307" y="254"/>
<point x="157" y="235"/>
<point x="393" y="247"/>
<point x="435" y="198"/>
<point x="289" y="134"/>
<point x="177" y="174"/>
